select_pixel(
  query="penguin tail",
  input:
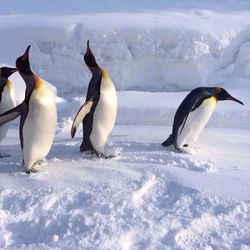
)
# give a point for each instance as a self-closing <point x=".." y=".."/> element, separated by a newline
<point x="169" y="141"/>
<point x="86" y="146"/>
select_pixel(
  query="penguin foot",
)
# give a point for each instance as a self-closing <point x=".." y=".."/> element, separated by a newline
<point x="31" y="170"/>
<point x="4" y="155"/>
<point x="106" y="156"/>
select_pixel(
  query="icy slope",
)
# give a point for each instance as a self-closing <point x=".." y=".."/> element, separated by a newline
<point x="150" y="51"/>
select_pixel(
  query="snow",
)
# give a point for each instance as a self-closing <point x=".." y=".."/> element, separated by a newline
<point x="148" y="197"/>
<point x="167" y="50"/>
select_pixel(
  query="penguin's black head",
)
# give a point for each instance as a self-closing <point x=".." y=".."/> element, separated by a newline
<point x="23" y="63"/>
<point x="222" y="95"/>
<point x="5" y="72"/>
<point x="89" y="58"/>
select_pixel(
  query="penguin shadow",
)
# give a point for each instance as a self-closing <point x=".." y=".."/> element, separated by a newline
<point x="130" y="152"/>
<point x="10" y="162"/>
<point x="141" y="152"/>
<point x="155" y="153"/>
<point x="68" y="150"/>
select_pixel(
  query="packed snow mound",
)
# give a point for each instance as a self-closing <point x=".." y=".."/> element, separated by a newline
<point x="165" y="51"/>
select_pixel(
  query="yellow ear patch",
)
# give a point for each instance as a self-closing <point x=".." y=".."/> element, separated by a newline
<point x="210" y="101"/>
<point x="38" y="82"/>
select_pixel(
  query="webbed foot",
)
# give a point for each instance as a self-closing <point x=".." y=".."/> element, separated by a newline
<point x="101" y="155"/>
<point x="31" y="170"/>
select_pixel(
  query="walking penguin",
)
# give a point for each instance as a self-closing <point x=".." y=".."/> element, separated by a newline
<point x="193" y="114"/>
<point x="38" y="116"/>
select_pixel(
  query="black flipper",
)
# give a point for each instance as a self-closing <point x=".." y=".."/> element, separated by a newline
<point x="83" y="111"/>
<point x="10" y="115"/>
<point x="169" y="141"/>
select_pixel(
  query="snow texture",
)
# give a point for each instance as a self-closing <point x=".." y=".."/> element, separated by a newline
<point x="148" y="197"/>
<point x="167" y="50"/>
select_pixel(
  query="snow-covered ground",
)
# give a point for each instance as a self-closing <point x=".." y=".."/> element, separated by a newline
<point x="149" y="197"/>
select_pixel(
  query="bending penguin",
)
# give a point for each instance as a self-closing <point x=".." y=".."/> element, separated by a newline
<point x="38" y="116"/>
<point x="98" y="113"/>
<point x="7" y="96"/>
<point x="193" y="114"/>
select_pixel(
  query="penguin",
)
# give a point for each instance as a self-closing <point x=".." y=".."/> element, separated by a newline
<point x="193" y="114"/>
<point x="98" y="113"/>
<point x="7" y="96"/>
<point x="38" y="116"/>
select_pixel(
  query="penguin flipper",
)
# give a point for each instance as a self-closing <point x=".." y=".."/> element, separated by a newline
<point x="82" y="112"/>
<point x="169" y="141"/>
<point x="10" y="115"/>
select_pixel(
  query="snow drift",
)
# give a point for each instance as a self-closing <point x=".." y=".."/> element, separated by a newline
<point x="151" y="51"/>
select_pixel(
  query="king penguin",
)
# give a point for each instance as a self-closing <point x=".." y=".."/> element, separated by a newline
<point x="98" y="113"/>
<point x="193" y="114"/>
<point x="38" y="116"/>
<point x="7" y="96"/>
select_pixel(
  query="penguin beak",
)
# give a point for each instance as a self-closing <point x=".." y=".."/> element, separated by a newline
<point x="6" y="71"/>
<point x="25" y="56"/>
<point x="89" y="58"/>
<point x="231" y="98"/>
<point x="88" y="51"/>
<point x="12" y="70"/>
<point x="22" y="62"/>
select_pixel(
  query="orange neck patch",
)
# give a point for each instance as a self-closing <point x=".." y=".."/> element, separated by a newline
<point x="104" y="73"/>
<point x="8" y="83"/>
<point x="38" y="82"/>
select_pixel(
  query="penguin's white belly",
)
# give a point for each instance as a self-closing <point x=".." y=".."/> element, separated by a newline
<point x="195" y="123"/>
<point x="39" y="126"/>
<point x="104" y="115"/>
<point x="8" y="102"/>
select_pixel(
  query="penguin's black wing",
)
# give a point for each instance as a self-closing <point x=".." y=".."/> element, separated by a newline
<point x="10" y="115"/>
<point x="82" y="112"/>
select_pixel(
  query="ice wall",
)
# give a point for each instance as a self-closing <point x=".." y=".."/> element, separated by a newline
<point x="148" y="51"/>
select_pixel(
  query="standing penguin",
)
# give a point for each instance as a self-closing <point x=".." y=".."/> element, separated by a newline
<point x="193" y="114"/>
<point x="7" y="96"/>
<point x="98" y="113"/>
<point x="38" y="116"/>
